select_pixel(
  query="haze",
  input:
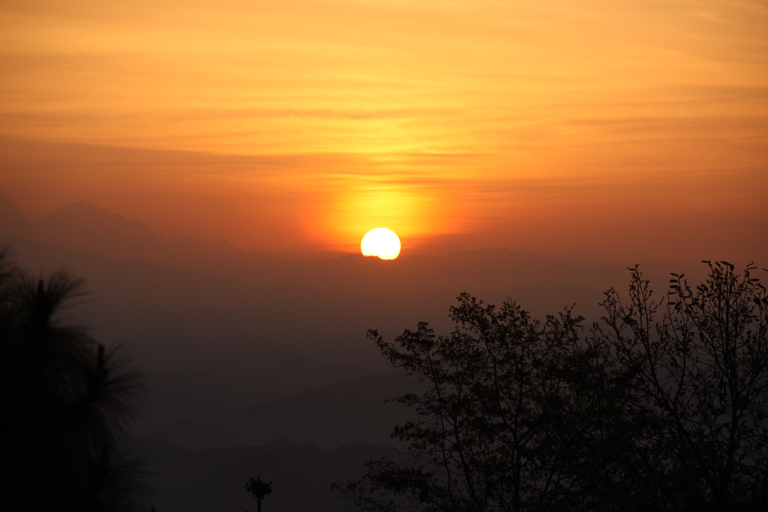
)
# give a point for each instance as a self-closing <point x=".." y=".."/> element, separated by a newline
<point x="301" y="125"/>
<point x="211" y="167"/>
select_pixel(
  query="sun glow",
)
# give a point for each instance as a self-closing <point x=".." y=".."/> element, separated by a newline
<point x="381" y="242"/>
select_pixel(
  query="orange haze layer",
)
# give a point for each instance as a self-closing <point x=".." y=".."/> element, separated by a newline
<point x="621" y="130"/>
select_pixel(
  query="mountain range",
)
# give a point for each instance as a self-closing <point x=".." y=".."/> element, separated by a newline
<point x="88" y="228"/>
<point x="240" y="348"/>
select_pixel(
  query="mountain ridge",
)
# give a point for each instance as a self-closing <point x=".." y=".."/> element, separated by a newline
<point x="352" y="410"/>
<point x="85" y="226"/>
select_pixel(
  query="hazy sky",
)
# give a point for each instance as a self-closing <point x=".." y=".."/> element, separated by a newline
<point x="626" y="130"/>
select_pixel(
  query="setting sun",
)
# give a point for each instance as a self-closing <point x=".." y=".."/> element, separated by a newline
<point x="381" y="242"/>
<point x="232" y="181"/>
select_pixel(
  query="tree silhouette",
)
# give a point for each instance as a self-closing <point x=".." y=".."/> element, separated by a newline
<point x="259" y="489"/>
<point x="661" y="406"/>
<point x="487" y="418"/>
<point x="693" y="370"/>
<point x="64" y="398"/>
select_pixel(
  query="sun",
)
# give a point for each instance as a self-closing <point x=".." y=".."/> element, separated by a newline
<point x="381" y="242"/>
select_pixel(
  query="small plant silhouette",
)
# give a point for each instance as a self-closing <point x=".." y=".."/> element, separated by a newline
<point x="258" y="489"/>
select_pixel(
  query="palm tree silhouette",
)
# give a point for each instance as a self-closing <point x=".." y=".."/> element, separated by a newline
<point x="258" y="489"/>
<point x="65" y="399"/>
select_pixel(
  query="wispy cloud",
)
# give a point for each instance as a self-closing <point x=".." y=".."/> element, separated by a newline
<point x="316" y="117"/>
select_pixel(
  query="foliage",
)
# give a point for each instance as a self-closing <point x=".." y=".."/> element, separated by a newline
<point x="487" y="416"/>
<point x="663" y="405"/>
<point x="696" y="387"/>
<point x="65" y="400"/>
<point x="259" y="489"/>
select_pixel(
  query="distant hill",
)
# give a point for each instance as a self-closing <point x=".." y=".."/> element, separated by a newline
<point x="86" y="227"/>
<point x="181" y="480"/>
<point x="350" y="411"/>
<point x="240" y="348"/>
<point x="12" y="220"/>
<point x="211" y="344"/>
<point x="217" y="329"/>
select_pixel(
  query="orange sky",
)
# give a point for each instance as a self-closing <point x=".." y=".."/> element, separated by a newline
<point x="625" y="130"/>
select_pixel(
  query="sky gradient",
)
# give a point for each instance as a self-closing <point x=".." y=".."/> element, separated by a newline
<point x="625" y="131"/>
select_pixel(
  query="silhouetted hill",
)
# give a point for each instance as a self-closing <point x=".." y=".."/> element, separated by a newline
<point x="83" y="226"/>
<point x="239" y="331"/>
<point x="86" y="227"/>
<point x="211" y="344"/>
<point x="350" y="411"/>
<point x="215" y="343"/>
<point x="181" y="480"/>
<point x="12" y="220"/>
